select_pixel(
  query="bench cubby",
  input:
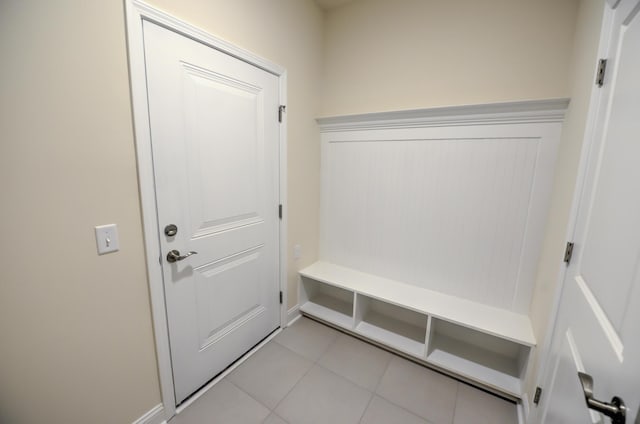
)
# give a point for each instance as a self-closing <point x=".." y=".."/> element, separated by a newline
<point x="327" y="302"/>
<point x="391" y="325"/>
<point x="476" y="342"/>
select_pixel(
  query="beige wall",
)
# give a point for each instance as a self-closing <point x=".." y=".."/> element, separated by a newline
<point x="76" y="341"/>
<point x="581" y="75"/>
<point x="75" y="329"/>
<point x="404" y="54"/>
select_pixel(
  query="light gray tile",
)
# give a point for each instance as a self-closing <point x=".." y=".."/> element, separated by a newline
<point x="477" y="407"/>
<point x="381" y="411"/>
<point x="223" y="403"/>
<point x="274" y="419"/>
<point x="270" y="373"/>
<point x="307" y="338"/>
<point x="424" y="392"/>
<point x="322" y="397"/>
<point x="356" y="360"/>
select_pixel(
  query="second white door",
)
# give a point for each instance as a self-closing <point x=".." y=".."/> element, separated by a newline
<point x="598" y="323"/>
<point x="215" y="142"/>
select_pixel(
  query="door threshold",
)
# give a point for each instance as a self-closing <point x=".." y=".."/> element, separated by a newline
<point x="204" y="389"/>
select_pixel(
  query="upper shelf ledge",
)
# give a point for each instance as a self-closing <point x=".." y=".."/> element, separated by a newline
<point x="529" y="111"/>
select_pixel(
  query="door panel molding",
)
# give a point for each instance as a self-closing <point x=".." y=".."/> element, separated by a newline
<point x="136" y="13"/>
<point x="601" y="316"/>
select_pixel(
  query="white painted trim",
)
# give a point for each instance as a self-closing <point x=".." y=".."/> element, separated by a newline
<point x="293" y="314"/>
<point x="284" y="222"/>
<point x="154" y="416"/>
<point x="531" y="111"/>
<point x="137" y="12"/>
<point x="225" y="373"/>
<point x="601" y="316"/>
<point x="594" y="100"/>
<point x="521" y="416"/>
<point x="152" y="14"/>
<point x="526" y="409"/>
<point x="134" y="17"/>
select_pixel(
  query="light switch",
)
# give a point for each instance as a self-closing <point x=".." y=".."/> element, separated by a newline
<point x="107" y="238"/>
<point x="297" y="251"/>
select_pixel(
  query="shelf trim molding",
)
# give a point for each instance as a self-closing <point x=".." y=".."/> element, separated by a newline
<point x="527" y="111"/>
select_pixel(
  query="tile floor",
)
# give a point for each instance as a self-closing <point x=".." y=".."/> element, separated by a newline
<point x="311" y="373"/>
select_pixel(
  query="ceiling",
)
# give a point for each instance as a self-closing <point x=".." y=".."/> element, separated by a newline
<point x="331" y="4"/>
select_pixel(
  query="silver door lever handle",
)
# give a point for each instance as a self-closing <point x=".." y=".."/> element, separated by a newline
<point x="616" y="410"/>
<point x="175" y="256"/>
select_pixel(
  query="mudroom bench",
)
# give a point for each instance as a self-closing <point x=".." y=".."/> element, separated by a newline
<point x="477" y="342"/>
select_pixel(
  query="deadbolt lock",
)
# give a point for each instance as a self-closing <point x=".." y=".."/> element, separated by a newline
<point x="170" y="230"/>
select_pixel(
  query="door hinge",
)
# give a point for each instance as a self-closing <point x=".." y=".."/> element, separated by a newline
<point x="568" y="252"/>
<point x="281" y="298"/>
<point x="602" y="68"/>
<point x="536" y="396"/>
<point x="280" y="211"/>
<point x="281" y="110"/>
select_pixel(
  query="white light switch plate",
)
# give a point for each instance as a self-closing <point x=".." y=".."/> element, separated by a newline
<point x="107" y="238"/>
<point x="297" y="251"/>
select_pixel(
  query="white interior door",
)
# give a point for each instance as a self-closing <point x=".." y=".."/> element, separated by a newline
<point x="215" y="138"/>
<point x="598" y="325"/>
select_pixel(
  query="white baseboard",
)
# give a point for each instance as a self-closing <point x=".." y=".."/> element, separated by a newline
<point x="154" y="416"/>
<point x="521" y="416"/>
<point x="293" y="314"/>
<point x="526" y="409"/>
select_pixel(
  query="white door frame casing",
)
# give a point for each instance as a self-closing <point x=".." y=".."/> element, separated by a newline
<point x="137" y="12"/>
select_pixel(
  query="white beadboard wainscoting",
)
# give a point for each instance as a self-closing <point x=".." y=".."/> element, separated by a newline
<point x="431" y="228"/>
<point x="458" y="207"/>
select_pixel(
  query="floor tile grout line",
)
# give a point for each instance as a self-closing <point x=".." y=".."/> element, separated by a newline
<point x="372" y="394"/>
<point x="390" y="356"/>
<point x="274" y="414"/>
<point x="296" y="383"/>
<point x="303" y="376"/>
<point x="294" y="352"/>
<point x="292" y="387"/>
<point x="248" y="394"/>
<point x="403" y="408"/>
<point x="400" y="406"/>
<point x="372" y="390"/>
<point x="345" y="379"/>
<point x="420" y="417"/>
<point x="455" y="404"/>
<point x="386" y="368"/>
<point x="364" y="411"/>
<point x="324" y="352"/>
